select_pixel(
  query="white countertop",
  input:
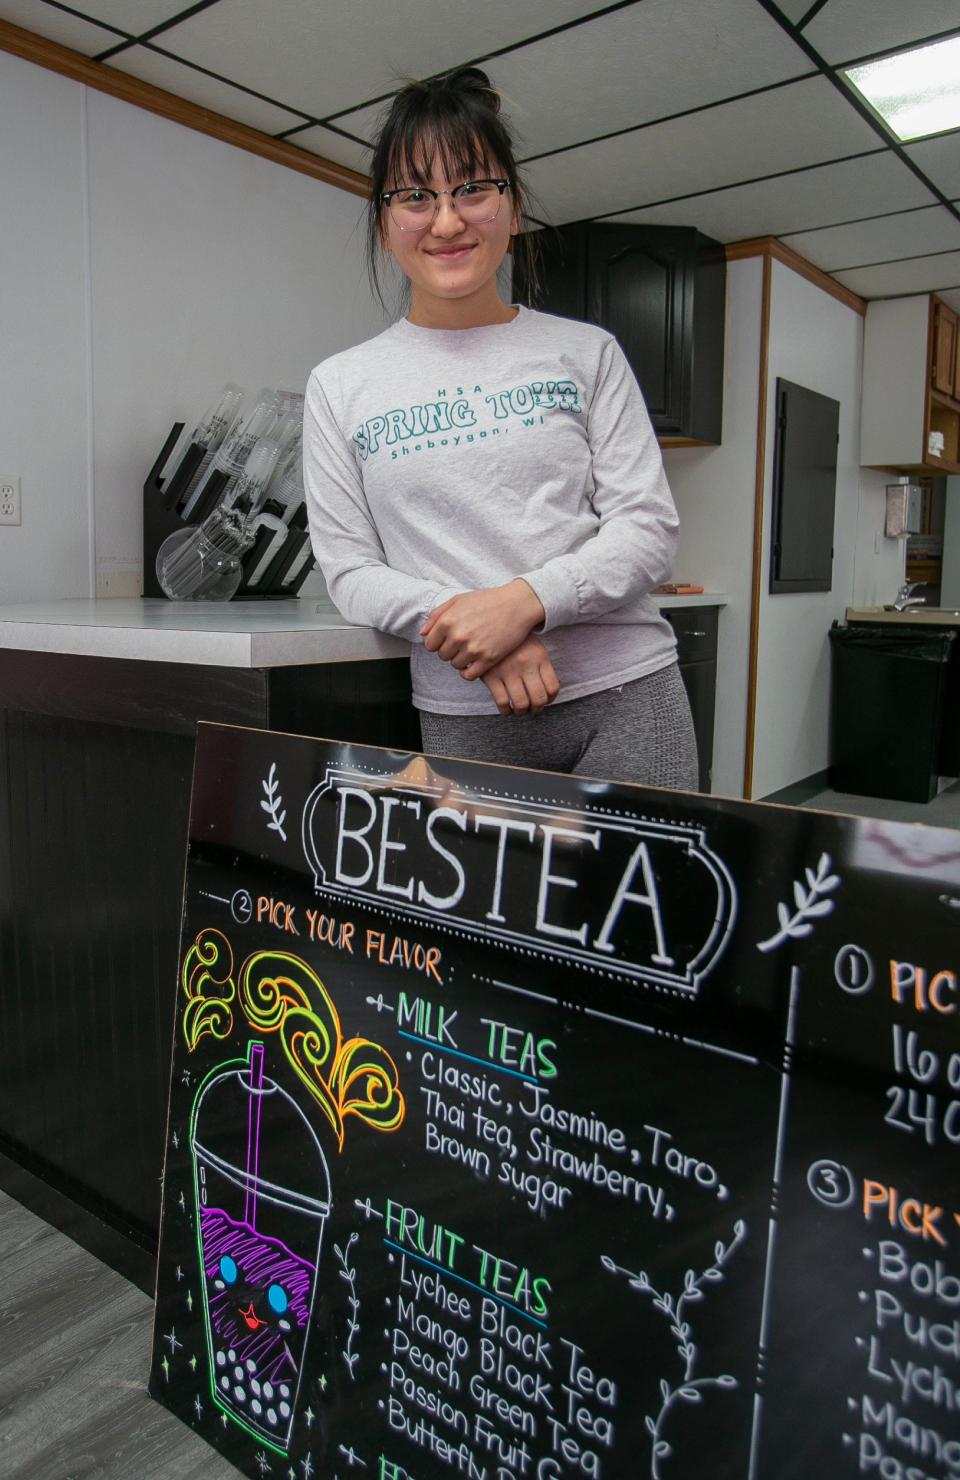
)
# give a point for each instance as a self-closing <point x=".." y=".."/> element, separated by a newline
<point x="229" y="634"/>
<point x="912" y="616"/>
<point x="705" y="598"/>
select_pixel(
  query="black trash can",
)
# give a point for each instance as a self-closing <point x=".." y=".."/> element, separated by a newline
<point x="889" y="691"/>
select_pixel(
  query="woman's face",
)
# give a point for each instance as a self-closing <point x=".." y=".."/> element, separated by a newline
<point x="450" y="259"/>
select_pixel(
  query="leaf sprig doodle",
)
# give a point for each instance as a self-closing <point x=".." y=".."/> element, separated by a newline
<point x="279" y="993"/>
<point x="274" y="802"/>
<point x="809" y="905"/>
<point x="348" y="1273"/>
<point x="689" y="1389"/>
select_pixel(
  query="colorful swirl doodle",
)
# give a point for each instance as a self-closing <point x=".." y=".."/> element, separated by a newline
<point x="207" y="982"/>
<point x="280" y="993"/>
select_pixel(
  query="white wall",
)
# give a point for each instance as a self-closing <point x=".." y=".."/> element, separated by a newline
<point x="818" y="343"/>
<point x="879" y="562"/>
<point x="714" y="492"/>
<point x="45" y="424"/>
<point x="151" y="264"/>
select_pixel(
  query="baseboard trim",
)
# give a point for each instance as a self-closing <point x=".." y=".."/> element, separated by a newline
<point x="799" y="791"/>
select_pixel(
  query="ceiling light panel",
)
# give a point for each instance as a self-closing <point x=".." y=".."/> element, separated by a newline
<point x="806" y="123"/>
<point x="940" y="161"/>
<point x="817" y="197"/>
<point x="846" y="29"/>
<point x="325" y="59"/>
<point x="916" y="92"/>
<point x="206" y="92"/>
<point x="879" y="240"/>
<point x="57" y="25"/>
<point x="639" y="64"/>
<point x="897" y="279"/>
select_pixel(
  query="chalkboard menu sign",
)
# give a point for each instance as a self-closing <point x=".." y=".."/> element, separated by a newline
<point x="525" y="1127"/>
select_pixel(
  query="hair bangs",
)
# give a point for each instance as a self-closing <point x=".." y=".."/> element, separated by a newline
<point x="452" y="142"/>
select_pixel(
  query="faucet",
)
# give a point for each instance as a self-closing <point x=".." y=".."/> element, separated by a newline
<point x="905" y="598"/>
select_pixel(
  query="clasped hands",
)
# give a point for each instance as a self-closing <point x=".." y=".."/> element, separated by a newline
<point x="487" y="634"/>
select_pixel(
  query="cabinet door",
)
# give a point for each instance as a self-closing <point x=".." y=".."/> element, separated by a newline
<point x="695" y="629"/>
<point x="561" y="257"/>
<point x="944" y="368"/>
<point x="661" y="290"/>
<point x="700" y="682"/>
<point x="640" y="286"/>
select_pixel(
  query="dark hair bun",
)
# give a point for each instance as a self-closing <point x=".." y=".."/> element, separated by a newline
<point x="471" y="79"/>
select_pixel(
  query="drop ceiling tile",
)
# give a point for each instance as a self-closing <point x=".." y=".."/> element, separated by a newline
<point x="940" y="161"/>
<point x="794" y="10"/>
<point x="897" y="279"/>
<point x="645" y="62"/>
<point x="627" y="68"/>
<point x="799" y="202"/>
<point x="365" y="122"/>
<point x="801" y="124"/>
<point x="878" y="240"/>
<point x="334" y="146"/>
<point x="323" y="59"/>
<point x="132" y="16"/>
<point x="846" y="29"/>
<point x="57" y="25"/>
<point x="207" y="92"/>
<point x="952" y="297"/>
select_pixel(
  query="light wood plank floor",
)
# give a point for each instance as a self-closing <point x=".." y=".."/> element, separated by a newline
<point x="74" y="1355"/>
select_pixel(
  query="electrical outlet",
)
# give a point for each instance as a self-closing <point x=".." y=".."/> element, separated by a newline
<point x="9" y="500"/>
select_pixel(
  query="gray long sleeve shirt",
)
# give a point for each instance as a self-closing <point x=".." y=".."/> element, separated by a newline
<point x="438" y="461"/>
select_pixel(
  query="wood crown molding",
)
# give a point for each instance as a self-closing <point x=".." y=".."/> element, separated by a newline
<point x="73" y="64"/>
<point x="769" y="247"/>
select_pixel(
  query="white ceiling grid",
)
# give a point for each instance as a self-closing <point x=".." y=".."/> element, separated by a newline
<point x="719" y="114"/>
<point x="636" y="65"/>
<point x="846" y="29"/>
<point x="326" y="58"/>
<point x="806" y="123"/>
<point x="902" y="235"/>
<point x="806" y="200"/>
<point x="57" y="25"/>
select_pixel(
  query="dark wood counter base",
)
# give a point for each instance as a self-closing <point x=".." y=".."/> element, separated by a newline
<point x="96" y="757"/>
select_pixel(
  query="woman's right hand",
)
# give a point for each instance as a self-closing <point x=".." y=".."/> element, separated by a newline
<point x="525" y="681"/>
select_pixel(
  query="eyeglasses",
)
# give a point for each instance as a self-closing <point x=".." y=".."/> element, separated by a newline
<point x="413" y="207"/>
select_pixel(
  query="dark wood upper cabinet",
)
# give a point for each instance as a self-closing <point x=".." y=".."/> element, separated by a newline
<point x="661" y="291"/>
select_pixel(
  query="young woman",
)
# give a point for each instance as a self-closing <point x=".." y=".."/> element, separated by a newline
<point x="484" y="481"/>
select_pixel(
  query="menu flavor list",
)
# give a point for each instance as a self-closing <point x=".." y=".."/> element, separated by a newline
<point x="529" y="1127"/>
<point x="872" y="1184"/>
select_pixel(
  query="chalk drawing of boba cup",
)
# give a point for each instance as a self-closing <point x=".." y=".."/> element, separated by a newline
<point x="260" y="1238"/>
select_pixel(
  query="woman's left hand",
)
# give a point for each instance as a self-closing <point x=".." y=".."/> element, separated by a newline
<point x="478" y="628"/>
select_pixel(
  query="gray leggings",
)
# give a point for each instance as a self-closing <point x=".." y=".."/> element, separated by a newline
<point x="641" y="731"/>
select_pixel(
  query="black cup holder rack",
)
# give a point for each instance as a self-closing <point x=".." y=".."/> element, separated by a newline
<point x="161" y="518"/>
